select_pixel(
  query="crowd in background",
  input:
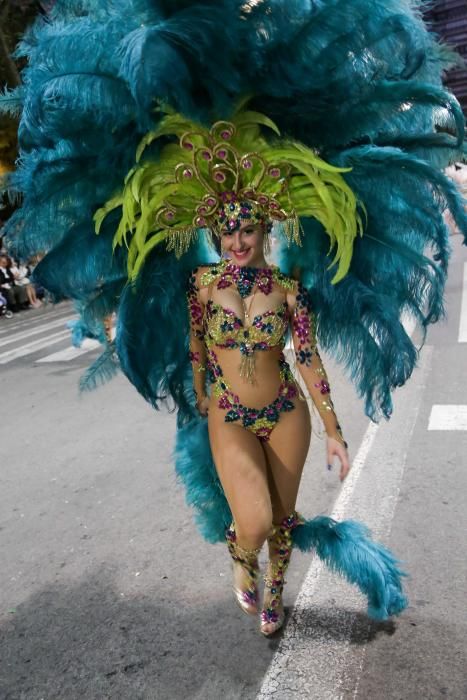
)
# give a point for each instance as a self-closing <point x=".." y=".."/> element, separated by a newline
<point x="17" y="291"/>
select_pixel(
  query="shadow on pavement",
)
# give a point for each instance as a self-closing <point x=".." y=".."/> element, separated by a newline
<point x="88" y="641"/>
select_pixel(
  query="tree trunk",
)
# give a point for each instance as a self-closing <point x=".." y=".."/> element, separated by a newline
<point x="11" y="75"/>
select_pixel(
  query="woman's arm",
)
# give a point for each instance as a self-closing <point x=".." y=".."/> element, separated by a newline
<point x="314" y="375"/>
<point x="198" y="355"/>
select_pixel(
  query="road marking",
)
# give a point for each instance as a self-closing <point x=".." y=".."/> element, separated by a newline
<point x="463" y="318"/>
<point x="71" y="353"/>
<point x="448" y="418"/>
<point x="36" y="331"/>
<point x="8" y="325"/>
<point x="30" y="348"/>
<point x="315" y="659"/>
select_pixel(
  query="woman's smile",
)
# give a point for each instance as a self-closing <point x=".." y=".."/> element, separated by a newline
<point x="241" y="255"/>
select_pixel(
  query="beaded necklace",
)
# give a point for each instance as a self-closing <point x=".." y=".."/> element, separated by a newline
<point x="245" y="279"/>
<point x="225" y="274"/>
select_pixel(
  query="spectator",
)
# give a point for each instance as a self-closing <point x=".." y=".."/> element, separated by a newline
<point x="40" y="291"/>
<point x="4" y="311"/>
<point x="457" y="173"/>
<point x="21" y="274"/>
<point x="16" y="295"/>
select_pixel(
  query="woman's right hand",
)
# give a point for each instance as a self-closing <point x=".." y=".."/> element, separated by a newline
<point x="203" y="406"/>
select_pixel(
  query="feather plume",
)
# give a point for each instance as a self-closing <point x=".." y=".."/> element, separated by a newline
<point x="101" y="371"/>
<point x="347" y="549"/>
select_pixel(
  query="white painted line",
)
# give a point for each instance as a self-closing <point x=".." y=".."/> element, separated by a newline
<point x="448" y="418"/>
<point x="70" y="353"/>
<point x="463" y="318"/>
<point x="90" y="344"/>
<point x="15" y="337"/>
<point x="30" y="348"/>
<point x="277" y="678"/>
<point x="313" y="660"/>
<point x="8" y="325"/>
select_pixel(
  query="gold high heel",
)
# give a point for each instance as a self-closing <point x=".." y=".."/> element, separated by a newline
<point x="280" y="547"/>
<point x="247" y="598"/>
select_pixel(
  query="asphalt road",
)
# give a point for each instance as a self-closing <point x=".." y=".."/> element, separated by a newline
<point x="107" y="590"/>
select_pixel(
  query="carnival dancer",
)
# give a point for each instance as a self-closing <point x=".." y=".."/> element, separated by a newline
<point x="327" y="120"/>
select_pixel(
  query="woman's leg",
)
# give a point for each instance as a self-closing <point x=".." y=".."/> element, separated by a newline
<point x="286" y="453"/>
<point x="31" y="294"/>
<point x="242" y="469"/>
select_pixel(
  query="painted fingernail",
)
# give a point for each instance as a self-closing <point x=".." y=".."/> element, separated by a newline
<point x="329" y="467"/>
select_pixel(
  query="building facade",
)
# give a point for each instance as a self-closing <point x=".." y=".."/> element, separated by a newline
<point x="448" y="18"/>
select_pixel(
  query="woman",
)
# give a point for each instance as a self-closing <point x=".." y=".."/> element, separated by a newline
<point x="22" y="275"/>
<point x="232" y="180"/>
<point x="355" y="92"/>
<point x="245" y="300"/>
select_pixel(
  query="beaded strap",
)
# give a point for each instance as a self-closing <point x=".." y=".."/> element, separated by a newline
<point x="248" y="558"/>
<point x="281" y="540"/>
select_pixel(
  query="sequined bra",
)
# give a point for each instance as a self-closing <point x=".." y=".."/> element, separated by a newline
<point x="222" y="327"/>
<point x="225" y="329"/>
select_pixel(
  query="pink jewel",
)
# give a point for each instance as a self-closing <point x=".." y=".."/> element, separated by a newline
<point x="274" y="205"/>
<point x="202" y="210"/>
<point x="275" y="172"/>
<point x="232" y="223"/>
<point x="226" y="135"/>
<point x="200" y="221"/>
<point x="262" y="199"/>
<point x="189" y="146"/>
<point x="210" y="201"/>
<point x="206" y="155"/>
<point x="169" y="215"/>
<point x="247" y="164"/>
<point x="219" y="177"/>
<point x="188" y="173"/>
<point x="222" y="154"/>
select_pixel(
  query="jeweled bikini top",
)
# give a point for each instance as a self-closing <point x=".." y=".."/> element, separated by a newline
<point x="224" y="329"/>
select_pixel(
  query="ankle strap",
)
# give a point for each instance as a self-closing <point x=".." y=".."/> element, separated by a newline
<point x="238" y="553"/>
<point x="287" y="524"/>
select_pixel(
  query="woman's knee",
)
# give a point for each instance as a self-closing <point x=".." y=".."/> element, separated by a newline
<point x="253" y="532"/>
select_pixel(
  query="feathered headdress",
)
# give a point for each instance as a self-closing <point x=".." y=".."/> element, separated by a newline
<point x="210" y="177"/>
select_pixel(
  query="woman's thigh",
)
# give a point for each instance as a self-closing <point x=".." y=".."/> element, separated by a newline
<point x="242" y="468"/>
<point x="286" y="453"/>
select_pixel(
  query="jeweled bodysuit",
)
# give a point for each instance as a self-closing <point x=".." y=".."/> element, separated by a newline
<point x="216" y="328"/>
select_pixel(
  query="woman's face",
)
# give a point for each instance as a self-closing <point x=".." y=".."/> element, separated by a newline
<point x="244" y="246"/>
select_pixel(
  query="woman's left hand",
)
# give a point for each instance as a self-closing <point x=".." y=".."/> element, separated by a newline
<point x="336" y="449"/>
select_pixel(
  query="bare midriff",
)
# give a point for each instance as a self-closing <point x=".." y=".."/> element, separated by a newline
<point x="267" y="379"/>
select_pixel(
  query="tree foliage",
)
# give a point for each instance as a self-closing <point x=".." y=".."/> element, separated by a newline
<point x="15" y="17"/>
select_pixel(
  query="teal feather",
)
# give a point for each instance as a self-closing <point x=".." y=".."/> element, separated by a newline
<point x="102" y="370"/>
<point x="347" y="549"/>
<point x="195" y="469"/>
